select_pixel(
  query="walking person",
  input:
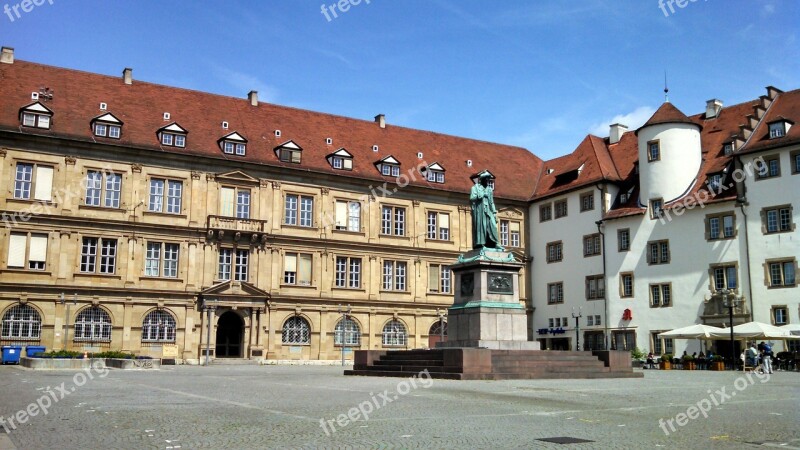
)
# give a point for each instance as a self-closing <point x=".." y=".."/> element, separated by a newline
<point x="766" y="357"/>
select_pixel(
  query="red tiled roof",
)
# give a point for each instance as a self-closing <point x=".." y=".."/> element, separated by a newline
<point x="593" y="160"/>
<point x="785" y="107"/>
<point x="666" y="113"/>
<point x="77" y="96"/>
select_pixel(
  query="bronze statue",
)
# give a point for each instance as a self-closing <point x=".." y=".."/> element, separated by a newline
<point x="484" y="215"/>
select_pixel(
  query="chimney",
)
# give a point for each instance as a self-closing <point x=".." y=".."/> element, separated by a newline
<point x="7" y="55"/>
<point x="713" y="108"/>
<point x="252" y="96"/>
<point x="380" y="119"/>
<point x="127" y="75"/>
<point x="617" y="130"/>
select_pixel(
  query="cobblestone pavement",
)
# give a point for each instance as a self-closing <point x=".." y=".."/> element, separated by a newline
<point x="241" y="407"/>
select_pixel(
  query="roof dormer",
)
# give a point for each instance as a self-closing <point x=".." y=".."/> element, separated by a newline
<point x="389" y="166"/>
<point x="107" y="125"/>
<point x="289" y="152"/>
<point x="233" y="144"/>
<point x="435" y="173"/>
<point x="172" y="135"/>
<point x="341" y="159"/>
<point x="476" y="177"/>
<point x="35" y="115"/>
<point x="779" y="127"/>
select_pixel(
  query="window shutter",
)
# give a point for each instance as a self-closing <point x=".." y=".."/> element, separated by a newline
<point x="433" y="278"/>
<point x="514" y="227"/>
<point x="38" y="251"/>
<point x="226" y="201"/>
<point x="290" y="263"/>
<point x="444" y="220"/>
<point x="348" y="164"/>
<point x="304" y="270"/>
<point x="341" y="214"/>
<point x="16" y="250"/>
<point x="44" y="183"/>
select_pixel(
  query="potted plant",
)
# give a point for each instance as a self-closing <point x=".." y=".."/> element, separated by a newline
<point x="717" y="363"/>
<point x="637" y="357"/>
<point x="688" y="362"/>
<point x="666" y="362"/>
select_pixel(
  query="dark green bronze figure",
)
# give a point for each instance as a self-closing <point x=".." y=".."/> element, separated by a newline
<point x="484" y="215"/>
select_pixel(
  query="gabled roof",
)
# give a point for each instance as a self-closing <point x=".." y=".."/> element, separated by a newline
<point x="590" y="163"/>
<point x="785" y="107"/>
<point x="388" y="160"/>
<point x="174" y="128"/>
<point x="108" y="118"/>
<point x="141" y="106"/>
<point x="436" y="166"/>
<point x="233" y="137"/>
<point x="667" y="113"/>
<point x="37" y="107"/>
<point x="342" y="152"/>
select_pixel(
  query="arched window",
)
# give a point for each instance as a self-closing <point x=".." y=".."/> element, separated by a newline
<point x="394" y="334"/>
<point x="21" y="322"/>
<point x="93" y="324"/>
<point x="158" y="326"/>
<point x="296" y="331"/>
<point x="349" y="330"/>
<point x="436" y="328"/>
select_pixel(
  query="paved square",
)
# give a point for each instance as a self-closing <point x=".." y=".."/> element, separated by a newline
<point x="237" y="407"/>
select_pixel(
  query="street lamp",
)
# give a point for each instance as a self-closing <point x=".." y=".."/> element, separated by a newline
<point x="730" y="301"/>
<point x="344" y="312"/>
<point x="441" y="324"/>
<point x="577" y="316"/>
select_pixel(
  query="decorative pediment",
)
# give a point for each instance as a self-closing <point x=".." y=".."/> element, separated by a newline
<point x="436" y="166"/>
<point x="234" y="294"/>
<point x="107" y="118"/>
<point x="341" y="152"/>
<point x="173" y="128"/>
<point x="237" y="176"/>
<point x="236" y="137"/>
<point x="511" y="213"/>
<point x="389" y="160"/>
<point x="38" y="108"/>
<point x="476" y="177"/>
<point x="291" y="145"/>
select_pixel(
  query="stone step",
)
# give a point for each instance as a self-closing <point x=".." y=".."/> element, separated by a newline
<point x="500" y="376"/>
<point x="413" y="356"/>
<point x="400" y="374"/>
<point x="409" y="362"/>
<point x="534" y="364"/>
<point x="543" y="358"/>
<point x="233" y="362"/>
<point x="410" y="369"/>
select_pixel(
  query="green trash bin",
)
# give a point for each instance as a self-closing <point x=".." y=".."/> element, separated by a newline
<point x="11" y="354"/>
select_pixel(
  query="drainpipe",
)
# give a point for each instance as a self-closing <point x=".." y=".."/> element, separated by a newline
<point x="599" y="223"/>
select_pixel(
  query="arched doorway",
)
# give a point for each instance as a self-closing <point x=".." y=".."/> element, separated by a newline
<point x="230" y="330"/>
<point x="435" y="333"/>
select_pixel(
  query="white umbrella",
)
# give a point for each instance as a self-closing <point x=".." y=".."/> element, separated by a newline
<point x="793" y="328"/>
<point x="754" y="330"/>
<point x="697" y="331"/>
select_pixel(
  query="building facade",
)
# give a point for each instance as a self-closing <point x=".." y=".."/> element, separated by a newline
<point x="142" y="218"/>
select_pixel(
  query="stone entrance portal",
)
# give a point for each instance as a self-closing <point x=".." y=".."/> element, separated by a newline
<point x="230" y="331"/>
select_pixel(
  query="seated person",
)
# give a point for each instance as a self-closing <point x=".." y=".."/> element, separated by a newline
<point x="651" y="360"/>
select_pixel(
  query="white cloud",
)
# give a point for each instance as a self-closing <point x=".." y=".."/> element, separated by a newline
<point x="633" y="120"/>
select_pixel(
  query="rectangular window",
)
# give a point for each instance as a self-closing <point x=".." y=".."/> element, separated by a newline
<point x="656" y="208"/>
<point x="438" y="226"/>
<point x="725" y="276"/>
<point x="555" y="251"/>
<point x="173" y="140"/>
<point x="591" y="245"/>
<point x="653" y="151"/>
<point x="727" y="148"/>
<point x="348" y="216"/>
<point x="299" y="210"/>
<point x="509" y="233"/>
<point x="545" y="213"/>
<point x="439" y="279"/>
<point x="658" y="252"/>
<point x="782" y="274"/>
<point x="348" y="272"/>
<point x="393" y="221"/>
<point x="561" y="209"/>
<point x="623" y="340"/>
<point x="624" y="239"/>
<point x="241" y="266"/>
<point x="390" y="170"/>
<point x="114" y="131"/>
<point x="777" y="219"/>
<point x="780" y="315"/>
<point x="225" y="263"/>
<point x="720" y="226"/>
<point x="105" y="262"/>
<point x="555" y="293"/>
<point x="36" y="120"/>
<point x="435" y="176"/>
<point x="595" y="287"/>
<point x="795" y="158"/>
<point x="297" y="269"/>
<point x="161" y="259"/>
<point x="776" y="130"/>
<point x="290" y="156"/>
<point x="174" y="192"/>
<point x="27" y="251"/>
<point x="587" y="201"/>
<point x="394" y="275"/>
<point x="769" y="167"/>
<point x="103" y="189"/>
<point x="626" y="284"/>
<point x="35" y="180"/>
<point x="660" y="295"/>
<point x="242" y="203"/>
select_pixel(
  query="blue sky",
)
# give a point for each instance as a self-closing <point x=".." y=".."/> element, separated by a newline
<point x="539" y="74"/>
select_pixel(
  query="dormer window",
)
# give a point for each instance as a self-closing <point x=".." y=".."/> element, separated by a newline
<point x="389" y="166"/>
<point x="477" y="177"/>
<point x="435" y="173"/>
<point x="779" y="128"/>
<point x="653" y="151"/>
<point x="233" y="144"/>
<point x="36" y="115"/>
<point x="341" y="159"/>
<point x="172" y="135"/>
<point x="289" y="152"/>
<point x="107" y="125"/>
<point x="728" y="148"/>
<point x="714" y="182"/>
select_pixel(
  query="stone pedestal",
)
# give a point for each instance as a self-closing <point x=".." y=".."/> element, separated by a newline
<point x="486" y="312"/>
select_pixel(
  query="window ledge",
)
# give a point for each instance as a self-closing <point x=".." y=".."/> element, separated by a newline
<point x="101" y="208"/>
<point x="296" y="286"/>
<point x="290" y="344"/>
<point x="349" y="233"/>
<point x="163" y="214"/>
<point x="382" y="291"/>
<point x="26" y="271"/>
<point x="392" y="236"/>
<point x="347" y="289"/>
<point x="444" y="294"/>
<point x="298" y="227"/>
<point x="783" y="286"/>
<point x="439" y="241"/>
<point x="28" y="201"/>
<point x="97" y="275"/>
<point x="171" y="279"/>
